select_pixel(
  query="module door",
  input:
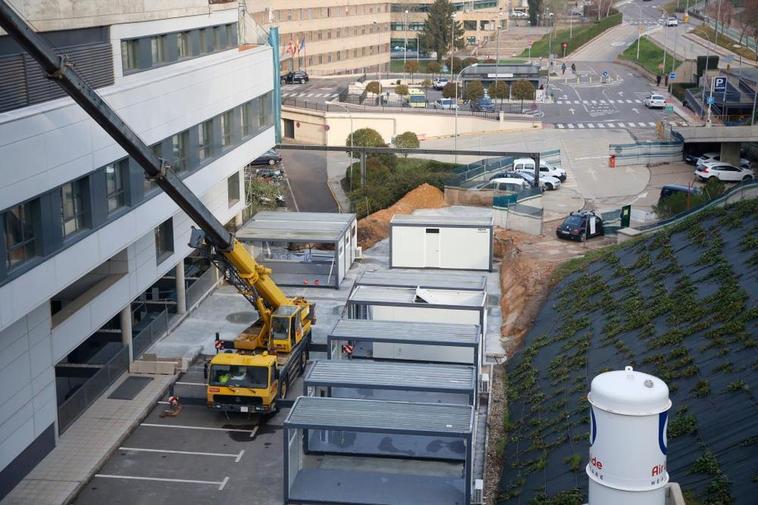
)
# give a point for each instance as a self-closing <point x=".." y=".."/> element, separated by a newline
<point x="432" y="243"/>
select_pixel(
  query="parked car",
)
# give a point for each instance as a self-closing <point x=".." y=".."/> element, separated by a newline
<point x="546" y="168"/>
<point x="723" y="172"/>
<point x="672" y="21"/>
<point x="274" y="173"/>
<point x="445" y="104"/>
<point x="270" y="157"/>
<point x="296" y="77"/>
<point x="669" y="190"/>
<point x="439" y="82"/>
<point x="580" y="225"/>
<point x="709" y="157"/>
<point x="655" y="101"/>
<point x="505" y="184"/>
<point x="484" y="104"/>
<point x="547" y="182"/>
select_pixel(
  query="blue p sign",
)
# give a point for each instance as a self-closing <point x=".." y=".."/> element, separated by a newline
<point x="719" y="83"/>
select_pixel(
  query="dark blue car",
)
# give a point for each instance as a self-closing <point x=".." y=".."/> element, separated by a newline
<point x="484" y="104"/>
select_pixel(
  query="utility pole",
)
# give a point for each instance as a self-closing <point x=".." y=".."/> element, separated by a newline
<point x="639" y="34"/>
<point x="405" y="47"/>
<point x="452" y="44"/>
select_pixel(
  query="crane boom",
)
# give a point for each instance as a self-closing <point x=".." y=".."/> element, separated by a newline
<point x="231" y="256"/>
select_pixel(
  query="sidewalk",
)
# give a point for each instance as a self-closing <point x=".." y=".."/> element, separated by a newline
<point x="83" y="448"/>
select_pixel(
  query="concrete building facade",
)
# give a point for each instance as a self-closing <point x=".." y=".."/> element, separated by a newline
<point x="83" y="232"/>
<point x="328" y="37"/>
<point x="479" y="18"/>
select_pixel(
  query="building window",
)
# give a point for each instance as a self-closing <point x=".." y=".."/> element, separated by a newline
<point x="158" y="49"/>
<point x="18" y="227"/>
<point x="217" y="38"/>
<point x="128" y="55"/>
<point x="183" y="44"/>
<point x="264" y="110"/>
<point x="74" y="206"/>
<point x="230" y="35"/>
<point x="179" y="147"/>
<point x="164" y="240"/>
<point x="226" y="128"/>
<point x="233" y="187"/>
<point x="205" y="139"/>
<point x="115" y="184"/>
<point x="247" y="119"/>
<point x="203" y="38"/>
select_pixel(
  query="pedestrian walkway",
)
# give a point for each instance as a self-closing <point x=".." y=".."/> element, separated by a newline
<point x="599" y="102"/>
<point x="305" y="94"/>
<point x="85" y="445"/>
<point x="606" y="124"/>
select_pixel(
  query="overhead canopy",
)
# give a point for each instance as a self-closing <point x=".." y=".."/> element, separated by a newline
<point x="717" y="134"/>
<point x="442" y="221"/>
<point x="326" y="217"/>
<point x="466" y="282"/>
<point x="292" y="231"/>
<point x="404" y="296"/>
<point x="408" y="332"/>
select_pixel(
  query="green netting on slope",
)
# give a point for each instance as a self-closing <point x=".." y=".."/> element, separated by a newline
<point x="682" y="305"/>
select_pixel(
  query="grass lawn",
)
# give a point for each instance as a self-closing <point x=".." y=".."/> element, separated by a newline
<point x="708" y="33"/>
<point x="582" y="35"/>
<point x="650" y="56"/>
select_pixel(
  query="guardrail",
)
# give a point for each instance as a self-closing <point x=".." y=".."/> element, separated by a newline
<point x="201" y="287"/>
<point x="357" y="107"/>
<point x="150" y="333"/>
<point x="70" y="410"/>
<point x="478" y="170"/>
<point x="643" y="153"/>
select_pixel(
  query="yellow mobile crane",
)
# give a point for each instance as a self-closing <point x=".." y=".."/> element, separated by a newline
<point x="271" y="352"/>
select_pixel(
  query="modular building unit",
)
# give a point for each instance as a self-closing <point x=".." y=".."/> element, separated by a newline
<point x="300" y="253"/>
<point x="387" y="380"/>
<point x="418" y="305"/>
<point x="405" y="341"/>
<point x="396" y="442"/>
<point x="430" y="280"/>
<point x="448" y="242"/>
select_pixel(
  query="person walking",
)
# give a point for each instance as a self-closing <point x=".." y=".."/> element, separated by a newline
<point x="563" y="69"/>
<point x="573" y="68"/>
<point x="658" y="80"/>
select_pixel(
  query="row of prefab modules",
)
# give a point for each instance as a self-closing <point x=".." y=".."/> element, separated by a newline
<point x="395" y="413"/>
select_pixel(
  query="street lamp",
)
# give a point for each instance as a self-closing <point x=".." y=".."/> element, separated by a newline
<point x="350" y="154"/>
<point x="405" y="48"/>
<point x="455" y="137"/>
<point x="452" y="44"/>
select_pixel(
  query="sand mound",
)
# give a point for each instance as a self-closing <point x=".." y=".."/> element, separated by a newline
<point x="376" y="226"/>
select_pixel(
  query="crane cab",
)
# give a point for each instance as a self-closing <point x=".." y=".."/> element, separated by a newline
<point x="286" y="327"/>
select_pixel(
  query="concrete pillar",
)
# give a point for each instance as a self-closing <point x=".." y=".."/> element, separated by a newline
<point x="730" y="153"/>
<point x="126" y="330"/>
<point x="181" y="295"/>
<point x="238" y="220"/>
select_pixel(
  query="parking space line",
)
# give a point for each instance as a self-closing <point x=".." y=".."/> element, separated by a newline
<point x="221" y="485"/>
<point x="191" y="384"/>
<point x="236" y="457"/>
<point x="207" y="428"/>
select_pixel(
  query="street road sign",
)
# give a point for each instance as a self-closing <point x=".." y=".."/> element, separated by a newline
<point x="605" y="73"/>
<point x="672" y="75"/>
<point x="564" y="45"/>
<point x="710" y="100"/>
<point x="719" y="83"/>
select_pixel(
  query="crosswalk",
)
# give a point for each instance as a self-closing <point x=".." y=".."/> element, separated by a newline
<point x="645" y="22"/>
<point x="619" y="101"/>
<point x="305" y="94"/>
<point x="605" y="125"/>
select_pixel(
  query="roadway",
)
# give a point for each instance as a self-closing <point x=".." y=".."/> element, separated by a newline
<point x="307" y="180"/>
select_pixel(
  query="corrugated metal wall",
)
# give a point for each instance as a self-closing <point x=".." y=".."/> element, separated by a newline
<point x="24" y="83"/>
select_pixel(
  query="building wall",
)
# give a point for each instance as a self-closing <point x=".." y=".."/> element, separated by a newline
<point x="48" y="144"/>
<point x="341" y="36"/>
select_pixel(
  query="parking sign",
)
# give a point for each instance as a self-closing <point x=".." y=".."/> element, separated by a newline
<point x="719" y="83"/>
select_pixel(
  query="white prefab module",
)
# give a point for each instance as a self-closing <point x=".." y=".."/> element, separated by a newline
<point x="448" y="242"/>
<point x="628" y="414"/>
<point x="303" y="248"/>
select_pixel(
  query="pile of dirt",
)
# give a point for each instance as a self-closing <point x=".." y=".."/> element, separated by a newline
<point x="524" y="284"/>
<point x="376" y="226"/>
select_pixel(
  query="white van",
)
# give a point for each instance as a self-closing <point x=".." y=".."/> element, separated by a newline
<point x="505" y="184"/>
<point x="546" y="168"/>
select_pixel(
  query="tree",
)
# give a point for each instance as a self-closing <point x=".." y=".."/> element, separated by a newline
<point x="522" y="90"/>
<point x="722" y="12"/>
<point x="438" y="27"/>
<point x="473" y="91"/>
<point x="467" y="62"/>
<point x="411" y="66"/>
<point x="457" y="64"/>
<point x="449" y="90"/>
<point x="535" y="7"/>
<point x="434" y="67"/>
<point x="407" y="140"/>
<point x="490" y="60"/>
<point x="426" y="84"/>
<point x="401" y="89"/>
<point x="364" y="137"/>
<point x="749" y="22"/>
<point x="498" y="90"/>
<point x="374" y="87"/>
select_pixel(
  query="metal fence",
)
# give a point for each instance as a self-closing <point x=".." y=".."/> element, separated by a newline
<point x="150" y="333"/>
<point x="644" y="153"/>
<point x="511" y="199"/>
<point x="201" y="287"/>
<point x="70" y="410"/>
<point x="477" y="171"/>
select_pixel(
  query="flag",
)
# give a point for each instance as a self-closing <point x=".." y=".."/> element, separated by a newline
<point x="302" y="44"/>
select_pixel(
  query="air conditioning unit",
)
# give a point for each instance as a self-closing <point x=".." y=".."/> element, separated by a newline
<point x="358" y="253"/>
<point x="478" y="496"/>
<point x="484" y="383"/>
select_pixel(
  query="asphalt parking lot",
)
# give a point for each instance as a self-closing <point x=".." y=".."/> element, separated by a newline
<point x="196" y="458"/>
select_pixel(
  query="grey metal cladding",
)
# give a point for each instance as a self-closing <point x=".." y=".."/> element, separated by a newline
<point x="467" y="282"/>
<point x="443" y="221"/>
<point x="327" y="217"/>
<point x="380" y="416"/>
<point x="369" y="329"/>
<point x="12" y="88"/>
<point x="378" y="374"/>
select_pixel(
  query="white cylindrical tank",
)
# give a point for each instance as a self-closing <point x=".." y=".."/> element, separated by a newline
<point x="628" y="415"/>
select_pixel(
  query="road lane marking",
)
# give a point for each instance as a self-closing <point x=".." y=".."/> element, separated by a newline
<point x="590" y="125"/>
<point x="600" y="125"/>
<point x="576" y="102"/>
<point x="560" y="125"/>
<point x="570" y="125"/>
<point x="191" y="384"/>
<point x="221" y="485"/>
<point x="236" y="457"/>
<point x="651" y="123"/>
<point x="580" y="125"/>
<point x="207" y="428"/>
<point x="638" y="101"/>
<point x="611" y="125"/>
<point x="629" y="101"/>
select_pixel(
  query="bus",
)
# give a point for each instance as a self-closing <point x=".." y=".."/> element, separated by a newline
<point x="416" y="98"/>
